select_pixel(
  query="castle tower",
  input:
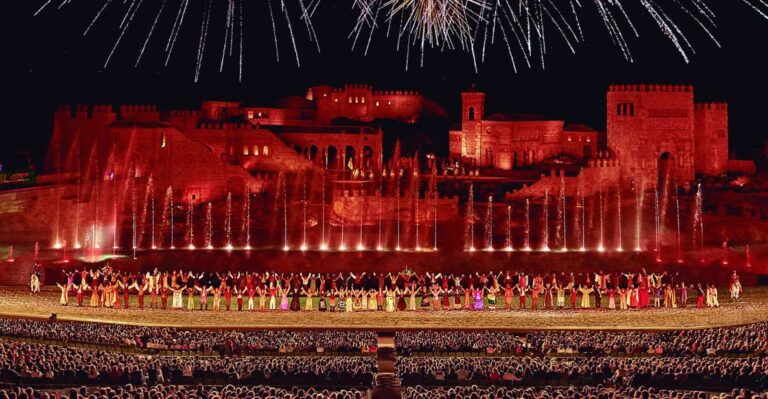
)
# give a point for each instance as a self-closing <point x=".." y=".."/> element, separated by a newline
<point x="651" y="131"/>
<point x="711" y="134"/>
<point x="472" y="112"/>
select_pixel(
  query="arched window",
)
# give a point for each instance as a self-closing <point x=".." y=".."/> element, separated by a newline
<point x="265" y="150"/>
<point x="471" y="113"/>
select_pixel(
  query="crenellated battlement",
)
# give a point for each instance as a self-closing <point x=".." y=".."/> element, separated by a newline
<point x="84" y="111"/>
<point x="396" y="93"/>
<point x="183" y="113"/>
<point x="137" y="108"/>
<point x="673" y="88"/>
<point x="712" y="106"/>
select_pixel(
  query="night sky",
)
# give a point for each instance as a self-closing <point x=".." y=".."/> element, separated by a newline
<point x="55" y="64"/>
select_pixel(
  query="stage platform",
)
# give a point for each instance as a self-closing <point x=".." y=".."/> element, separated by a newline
<point x="753" y="307"/>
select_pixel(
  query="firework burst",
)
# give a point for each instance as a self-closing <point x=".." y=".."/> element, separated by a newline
<point x="525" y="27"/>
<point x="175" y="13"/>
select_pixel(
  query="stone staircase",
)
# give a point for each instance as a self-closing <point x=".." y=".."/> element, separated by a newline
<point x="387" y="383"/>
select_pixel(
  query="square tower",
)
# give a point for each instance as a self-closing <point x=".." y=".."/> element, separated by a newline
<point x="711" y="133"/>
<point x="651" y="131"/>
<point x="472" y="112"/>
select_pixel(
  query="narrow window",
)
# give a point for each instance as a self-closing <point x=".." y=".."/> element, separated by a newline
<point x="163" y="143"/>
<point x="245" y="150"/>
<point x="471" y="113"/>
<point x="265" y="150"/>
<point x="618" y="109"/>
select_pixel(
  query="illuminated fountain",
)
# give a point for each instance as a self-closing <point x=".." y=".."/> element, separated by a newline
<point x="545" y="232"/>
<point x="190" y="224"/>
<point x="509" y="247"/>
<point x="434" y="201"/>
<point x="601" y="247"/>
<point x="304" y="213"/>
<point x="415" y="198"/>
<point x="381" y="209"/>
<point x="323" y="242"/>
<point x="698" y="218"/>
<point x="562" y="217"/>
<point x="152" y="216"/>
<point x="639" y="215"/>
<point x="228" y="223"/>
<point x="469" y="229"/>
<point x="527" y="236"/>
<point x="168" y="214"/>
<point x="133" y="218"/>
<point x="397" y="207"/>
<point x="618" y="218"/>
<point x="583" y="226"/>
<point x="677" y="216"/>
<point x="77" y="212"/>
<point x="342" y="245"/>
<point x="361" y="209"/>
<point x="246" y="219"/>
<point x="657" y="224"/>
<point x="489" y="226"/>
<point x="281" y="180"/>
<point x="208" y="229"/>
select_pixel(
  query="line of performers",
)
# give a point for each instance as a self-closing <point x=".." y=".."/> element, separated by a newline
<point x="389" y="292"/>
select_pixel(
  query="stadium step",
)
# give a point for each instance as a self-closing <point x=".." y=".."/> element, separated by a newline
<point x="387" y="383"/>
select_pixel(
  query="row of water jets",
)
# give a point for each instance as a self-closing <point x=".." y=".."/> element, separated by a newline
<point x="579" y="220"/>
<point x="577" y="240"/>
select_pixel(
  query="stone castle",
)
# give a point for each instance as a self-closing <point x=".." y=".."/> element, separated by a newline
<point x="651" y="130"/>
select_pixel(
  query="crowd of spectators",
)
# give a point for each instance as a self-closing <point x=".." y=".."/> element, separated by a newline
<point x="596" y="392"/>
<point x="671" y="372"/>
<point x="31" y="364"/>
<point x="183" y="392"/>
<point x="745" y="340"/>
<point x="227" y="341"/>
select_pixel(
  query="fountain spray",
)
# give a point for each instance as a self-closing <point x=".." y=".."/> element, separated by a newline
<point x="618" y="217"/>
<point x="527" y="237"/>
<point x="470" y="220"/>
<point x="677" y="214"/>
<point x="489" y="226"/>
<point x="209" y="226"/>
<point x="601" y="247"/>
<point x="545" y="238"/>
<point x="228" y="222"/>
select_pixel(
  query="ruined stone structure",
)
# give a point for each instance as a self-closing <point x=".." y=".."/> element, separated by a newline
<point x="508" y="141"/>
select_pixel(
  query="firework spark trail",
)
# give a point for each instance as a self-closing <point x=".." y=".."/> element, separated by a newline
<point x="465" y="24"/>
<point x="274" y="29"/>
<point x="98" y="14"/>
<point x="240" y="66"/>
<point x="306" y="16"/>
<point x="290" y="31"/>
<point x="175" y="31"/>
<point x="227" y="33"/>
<point x="149" y="35"/>
<point x="762" y="9"/>
<point x="122" y="32"/>
<point x="39" y="10"/>
<point x="203" y="38"/>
